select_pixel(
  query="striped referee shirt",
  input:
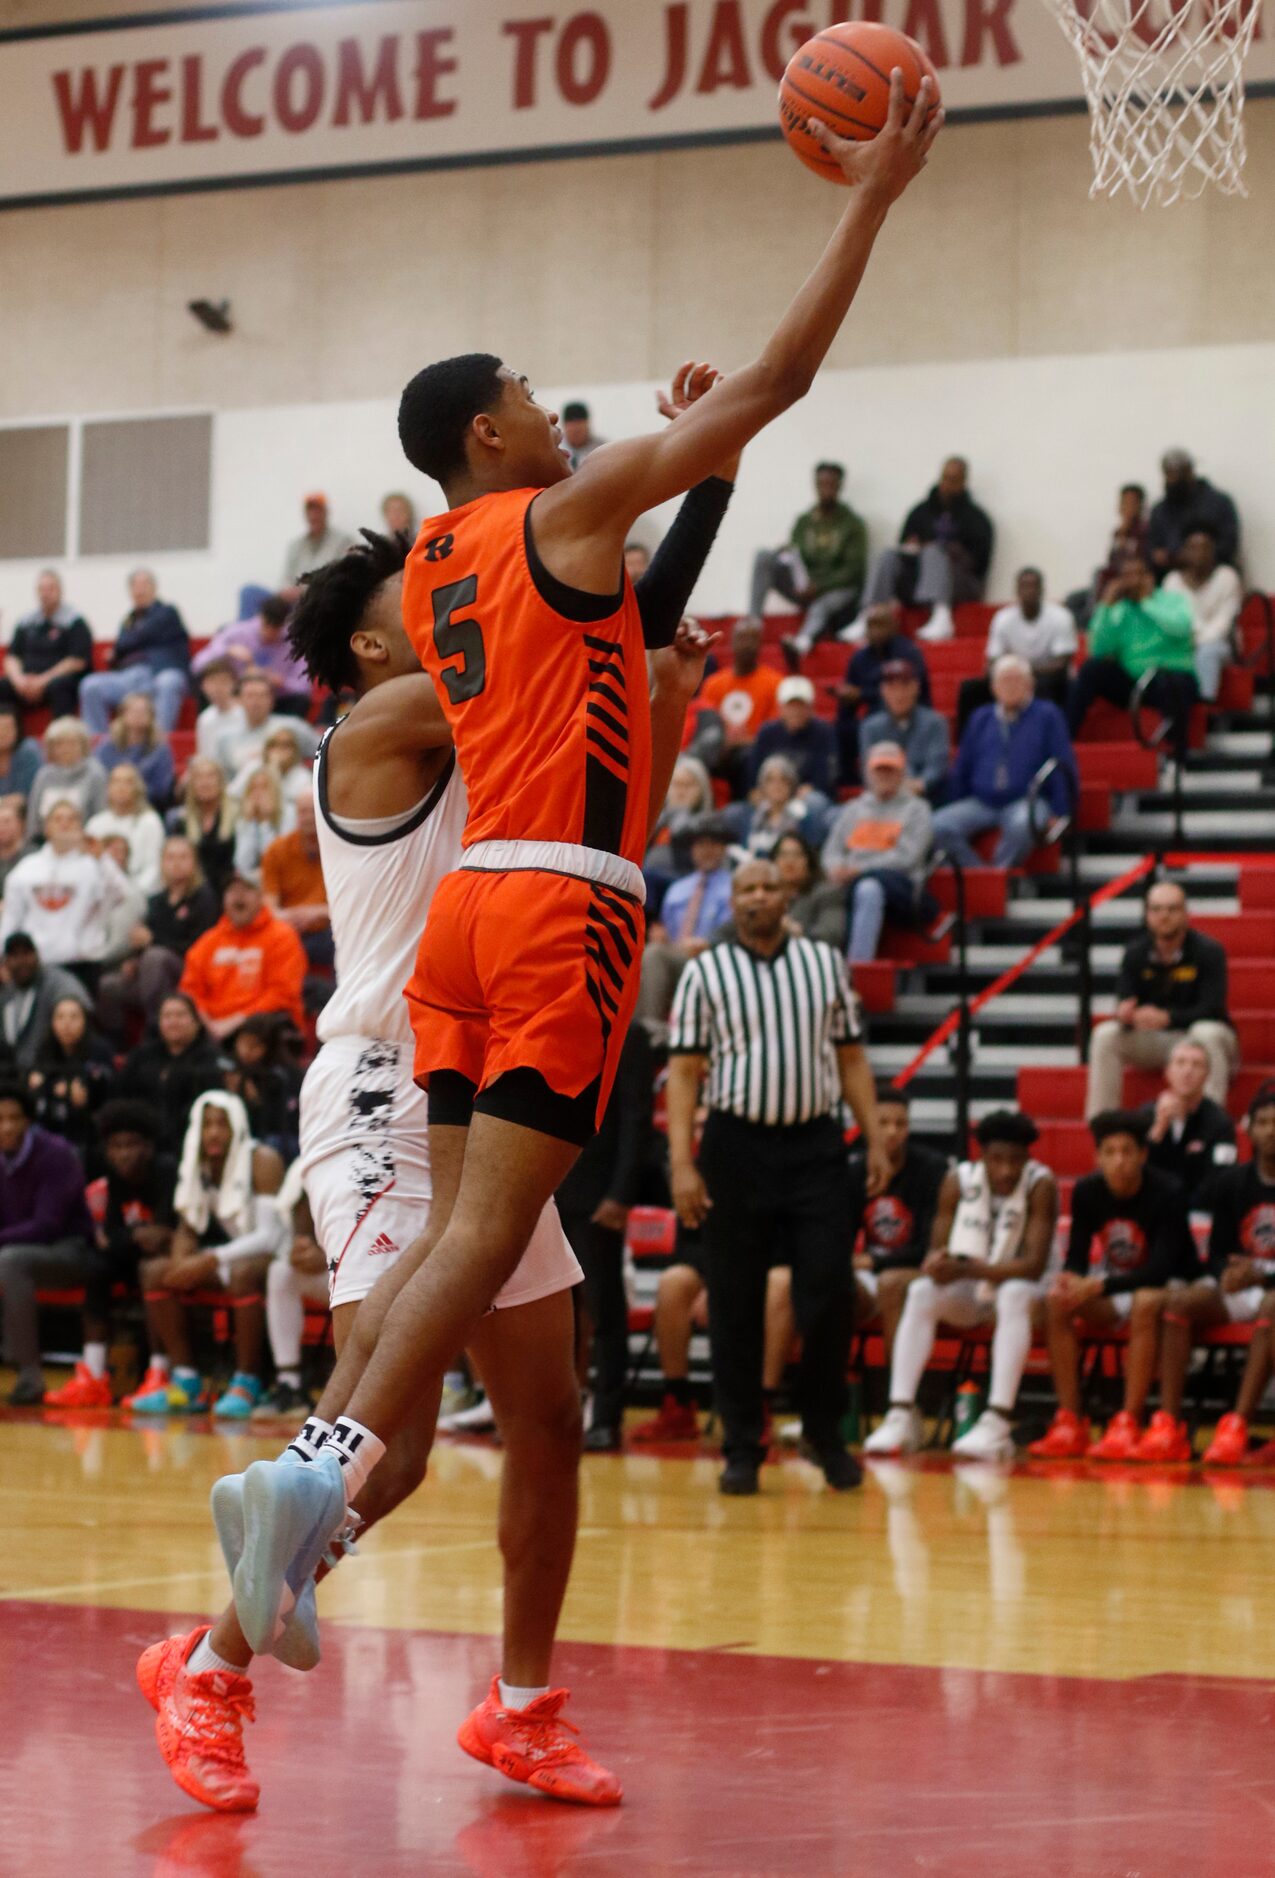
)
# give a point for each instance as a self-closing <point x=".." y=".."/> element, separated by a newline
<point x="769" y="1027"/>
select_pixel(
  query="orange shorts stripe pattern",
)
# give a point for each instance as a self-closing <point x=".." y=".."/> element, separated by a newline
<point x="526" y="970"/>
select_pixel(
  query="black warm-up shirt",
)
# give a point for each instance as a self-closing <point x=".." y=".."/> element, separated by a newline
<point x="1243" y="1208"/>
<point x="897" y="1224"/>
<point x="1192" y="989"/>
<point x="1130" y="1244"/>
<point x="1206" y="1145"/>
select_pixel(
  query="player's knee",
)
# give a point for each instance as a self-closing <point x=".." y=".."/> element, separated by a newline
<point x="549" y="1430"/>
<point x="150" y="1274"/>
<point x="1015" y="1298"/>
<point x="247" y="1277"/>
<point x="1146" y="1309"/>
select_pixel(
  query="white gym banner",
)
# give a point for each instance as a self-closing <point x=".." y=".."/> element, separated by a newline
<point x="239" y="94"/>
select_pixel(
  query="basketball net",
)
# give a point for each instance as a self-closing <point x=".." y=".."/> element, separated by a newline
<point x="1165" y="84"/>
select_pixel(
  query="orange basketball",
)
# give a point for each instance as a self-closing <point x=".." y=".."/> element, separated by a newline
<point x="843" y="76"/>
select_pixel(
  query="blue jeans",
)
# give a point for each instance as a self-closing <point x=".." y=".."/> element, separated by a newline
<point x="102" y="692"/>
<point x="872" y="898"/>
<point x="955" y="825"/>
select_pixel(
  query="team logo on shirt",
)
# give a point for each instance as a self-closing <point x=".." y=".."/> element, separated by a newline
<point x="1257" y="1231"/>
<point x="52" y="898"/>
<point x="1121" y="1246"/>
<point x="887" y="1225"/>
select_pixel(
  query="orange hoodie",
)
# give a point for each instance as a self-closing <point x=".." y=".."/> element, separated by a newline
<point x="239" y="971"/>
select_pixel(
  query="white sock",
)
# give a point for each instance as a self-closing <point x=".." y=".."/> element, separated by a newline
<point x="159" y="1364"/>
<point x="203" y="1659"/>
<point x="291" y="1376"/>
<point x="358" y="1451"/>
<point x="511" y="1697"/>
<point x="305" y="1446"/>
<point x="182" y="1371"/>
<point x="95" y="1359"/>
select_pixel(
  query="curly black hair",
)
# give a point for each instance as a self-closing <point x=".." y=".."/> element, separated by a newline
<point x="1008" y="1125"/>
<point x="1119" y="1122"/>
<point x="126" y="1116"/>
<point x="334" y="600"/>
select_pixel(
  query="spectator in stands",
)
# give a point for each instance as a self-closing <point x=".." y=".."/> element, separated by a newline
<point x="227" y="1232"/>
<point x="1215" y="595"/>
<point x="808" y="743"/>
<point x="1172" y="984"/>
<point x="20" y="757"/>
<point x="745" y="697"/>
<point x="238" y="751"/>
<point x="170" y="1069"/>
<point x="1190" y="502"/>
<point x="206" y="816"/>
<point x="62" y="896"/>
<point x="993" y="1233"/>
<point x="1035" y="629"/>
<point x="399" y="515"/>
<point x="1238" y="1288"/>
<point x="131" y="1206"/>
<point x="1128" y="543"/>
<point x="181" y="909"/>
<point x="1129" y="1239"/>
<point x="944" y="551"/>
<point x="861" y="689"/>
<point x="128" y="813"/>
<point x="151" y="654"/>
<point x="1005" y="746"/>
<point x="283" y="754"/>
<point x="264" y="815"/>
<point x="136" y="738"/>
<point x="71" y="1077"/>
<point x="49" y="653"/>
<point x="13" y="836"/>
<point x="260" y="645"/>
<point x="815" y="908"/>
<point x="920" y="731"/>
<point x="821" y="570"/>
<point x="292" y="885"/>
<point x="69" y="773"/>
<point x="223" y="715"/>
<point x="897" y="1223"/>
<point x="594" y="1202"/>
<point x="46" y="1233"/>
<point x="248" y="962"/>
<point x="690" y="795"/>
<point x="123" y="914"/>
<point x="695" y="905"/>
<point x="1189" y="1136"/>
<point x="1139" y="629"/>
<point x="28" y="995"/>
<point x="320" y="544"/>
<point x="777" y="806"/>
<point x="267" y="1086"/>
<point x="877" y="849"/>
<point x="771" y="1167"/>
<point x="577" y="432"/>
<point x="637" y="558"/>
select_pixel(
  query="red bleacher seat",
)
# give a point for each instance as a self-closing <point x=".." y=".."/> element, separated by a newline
<point x="651" y="1233"/>
<point x="959" y="658"/>
<point x="1093" y="811"/>
<point x="1059" y="1094"/>
<point x="1245" y="935"/>
<point x="874" y="982"/>
<point x="985" y="891"/>
<point x="913" y="948"/>
<point x="1257" y="889"/>
<point x="1251" y="981"/>
<point x="1067" y="1147"/>
<point x="1123" y="765"/>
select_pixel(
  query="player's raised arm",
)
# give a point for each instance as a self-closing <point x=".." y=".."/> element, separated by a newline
<point x="621" y="481"/>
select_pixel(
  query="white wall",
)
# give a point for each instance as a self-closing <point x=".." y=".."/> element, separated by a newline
<point x="1049" y="439"/>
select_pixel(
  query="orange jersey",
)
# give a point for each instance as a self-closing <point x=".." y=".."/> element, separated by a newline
<point x="550" y="712"/>
<point x="745" y="704"/>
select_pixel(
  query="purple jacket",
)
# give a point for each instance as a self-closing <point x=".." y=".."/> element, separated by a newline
<point x="42" y="1193"/>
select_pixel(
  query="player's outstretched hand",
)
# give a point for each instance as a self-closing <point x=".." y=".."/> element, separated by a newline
<point x="888" y="162"/>
<point x="690" y="383"/>
<point x="678" y="669"/>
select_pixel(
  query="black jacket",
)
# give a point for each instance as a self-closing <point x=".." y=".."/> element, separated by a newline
<point x="1192" y="991"/>
<point x="615" y="1161"/>
<point x="171" y="1083"/>
<point x="1202" y="506"/>
<point x="177" y="927"/>
<point x="960" y="520"/>
<point x="1207" y="1144"/>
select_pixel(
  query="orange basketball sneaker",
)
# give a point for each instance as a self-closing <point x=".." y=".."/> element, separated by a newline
<point x="676" y="1421"/>
<point x="535" y="1745"/>
<point x="1066" y="1439"/>
<point x="1120" y="1442"/>
<point x="1229" y="1446"/>
<point x="199" y="1724"/>
<point x="85" y="1390"/>
<point x="1165" y="1440"/>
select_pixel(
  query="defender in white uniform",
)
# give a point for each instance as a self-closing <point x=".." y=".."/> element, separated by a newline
<point x="364" y="1128"/>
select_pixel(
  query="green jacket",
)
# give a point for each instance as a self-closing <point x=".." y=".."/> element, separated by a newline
<point x="834" y="548"/>
<point x="1143" y="635"/>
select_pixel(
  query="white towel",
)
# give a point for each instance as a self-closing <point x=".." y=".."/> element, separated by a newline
<point x="231" y="1204"/>
<point x="972" y="1236"/>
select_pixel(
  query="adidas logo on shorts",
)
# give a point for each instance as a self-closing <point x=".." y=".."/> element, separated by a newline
<point x="382" y="1247"/>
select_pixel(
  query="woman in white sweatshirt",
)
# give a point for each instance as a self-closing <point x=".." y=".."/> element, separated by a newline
<point x="128" y="812"/>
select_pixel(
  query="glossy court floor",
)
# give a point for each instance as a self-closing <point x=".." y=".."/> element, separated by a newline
<point x="975" y="1672"/>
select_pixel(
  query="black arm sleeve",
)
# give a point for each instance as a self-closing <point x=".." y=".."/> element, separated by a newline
<point x="664" y="589"/>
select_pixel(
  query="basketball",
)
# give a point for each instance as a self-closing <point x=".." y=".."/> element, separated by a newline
<point x="843" y="76"/>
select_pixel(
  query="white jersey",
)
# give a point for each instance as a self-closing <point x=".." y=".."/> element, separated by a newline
<point x="380" y="883"/>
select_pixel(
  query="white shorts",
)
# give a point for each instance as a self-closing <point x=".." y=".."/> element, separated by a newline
<point x="868" y="1279"/>
<point x="1122" y="1305"/>
<point x="365" y="1167"/>
<point x="1242" y="1307"/>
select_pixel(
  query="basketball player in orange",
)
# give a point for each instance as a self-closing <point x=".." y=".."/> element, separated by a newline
<point x="516" y="600"/>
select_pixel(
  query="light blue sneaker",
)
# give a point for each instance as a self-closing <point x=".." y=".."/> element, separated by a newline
<point x="291" y="1515"/>
<point x="184" y="1394"/>
<point x="298" y="1644"/>
<point x="240" y="1398"/>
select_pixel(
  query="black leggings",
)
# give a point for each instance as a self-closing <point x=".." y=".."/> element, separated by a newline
<point x="1172" y="693"/>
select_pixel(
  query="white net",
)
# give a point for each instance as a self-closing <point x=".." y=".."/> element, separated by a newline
<point x="1165" y="85"/>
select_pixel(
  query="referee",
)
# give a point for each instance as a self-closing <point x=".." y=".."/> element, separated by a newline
<point x="770" y="1016"/>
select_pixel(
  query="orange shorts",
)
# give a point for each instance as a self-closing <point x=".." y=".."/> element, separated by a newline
<point x="527" y="971"/>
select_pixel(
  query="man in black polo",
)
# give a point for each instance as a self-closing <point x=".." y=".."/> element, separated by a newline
<point x="770" y="1018"/>
<point x="1172" y="984"/>
<point x="49" y="653"/>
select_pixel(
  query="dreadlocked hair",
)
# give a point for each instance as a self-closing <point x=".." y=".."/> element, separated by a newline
<point x="334" y="600"/>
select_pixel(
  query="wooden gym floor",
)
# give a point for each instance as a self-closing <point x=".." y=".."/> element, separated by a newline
<point x="951" y="1671"/>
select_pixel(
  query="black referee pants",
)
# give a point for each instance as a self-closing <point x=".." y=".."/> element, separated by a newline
<point x="600" y="1251"/>
<point x="780" y="1196"/>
